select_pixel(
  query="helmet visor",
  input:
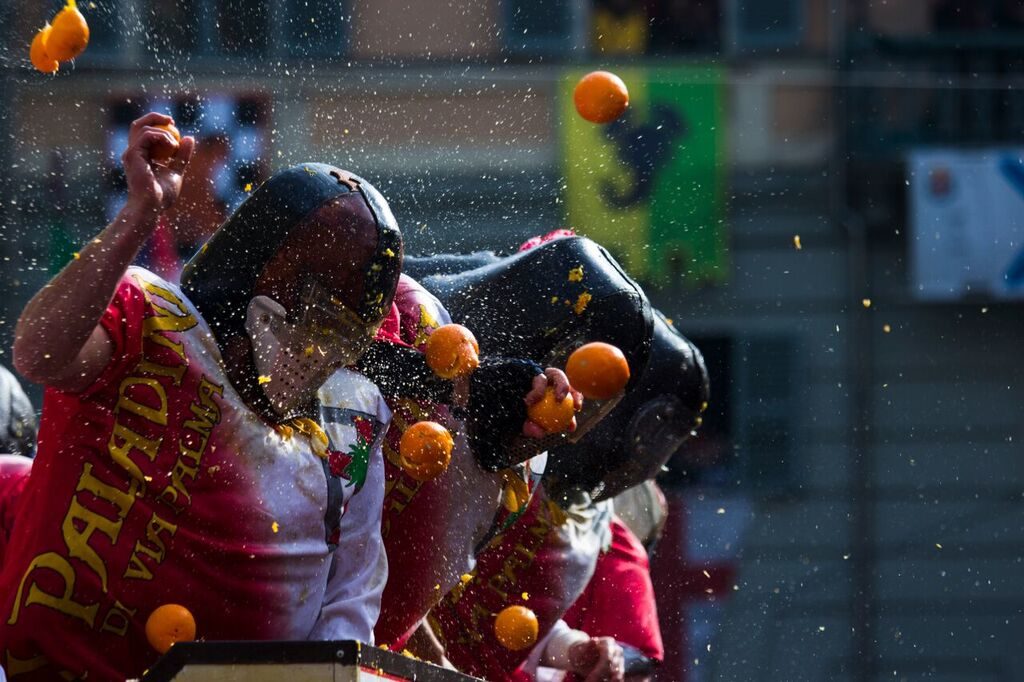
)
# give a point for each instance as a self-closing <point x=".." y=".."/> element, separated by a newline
<point x="659" y="427"/>
<point x="332" y="329"/>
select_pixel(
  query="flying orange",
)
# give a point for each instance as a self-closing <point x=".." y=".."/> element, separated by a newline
<point x="600" y="97"/>
<point x="597" y="370"/>
<point x="69" y="34"/>
<point x="37" y="52"/>
<point x="516" y="628"/>
<point x="425" y="450"/>
<point x="452" y="351"/>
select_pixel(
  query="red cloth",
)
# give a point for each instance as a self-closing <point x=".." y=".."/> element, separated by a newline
<point x="541" y="561"/>
<point x="151" y="487"/>
<point x="619" y="600"/>
<point x="525" y="565"/>
<point x="415" y="512"/>
<point x="389" y="328"/>
<point x="14" y="472"/>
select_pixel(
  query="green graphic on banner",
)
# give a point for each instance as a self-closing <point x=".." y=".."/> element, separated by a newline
<point x="651" y="186"/>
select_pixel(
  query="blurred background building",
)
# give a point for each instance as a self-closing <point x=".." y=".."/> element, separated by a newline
<point x="825" y="194"/>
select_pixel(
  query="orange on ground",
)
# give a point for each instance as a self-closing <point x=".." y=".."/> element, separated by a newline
<point x="169" y="624"/>
<point x="516" y="628"/>
<point x="600" y="97"/>
<point x="597" y="370"/>
<point x="70" y="34"/>
<point x="164" y="151"/>
<point x="425" y="450"/>
<point x="553" y="415"/>
<point x="452" y="351"/>
<point x="37" y="52"/>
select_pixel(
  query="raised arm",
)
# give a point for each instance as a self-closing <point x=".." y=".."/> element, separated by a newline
<point x="58" y="340"/>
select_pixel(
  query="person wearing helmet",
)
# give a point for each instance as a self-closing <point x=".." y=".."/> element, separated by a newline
<point x="506" y="303"/>
<point x="549" y="559"/>
<point x="200" y="445"/>
<point x="626" y="451"/>
<point x="542" y="303"/>
<point x="552" y="554"/>
<point x="431" y="527"/>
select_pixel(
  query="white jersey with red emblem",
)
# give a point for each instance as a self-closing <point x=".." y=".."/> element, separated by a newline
<point x="158" y="485"/>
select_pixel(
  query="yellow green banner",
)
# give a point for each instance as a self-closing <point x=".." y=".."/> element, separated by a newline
<point x="650" y="186"/>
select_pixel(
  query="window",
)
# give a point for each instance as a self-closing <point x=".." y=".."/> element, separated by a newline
<point x="654" y="27"/>
<point x="767" y="25"/>
<point x="244" y="26"/>
<point x="977" y="15"/>
<point x="174" y="26"/>
<point x="747" y="436"/>
<point x="685" y="26"/>
<point x="619" y="27"/>
<point x="241" y="28"/>
<point x="765" y="429"/>
<point x="542" y="27"/>
<point x="315" y="28"/>
<point x="106" y="25"/>
<point x="230" y="158"/>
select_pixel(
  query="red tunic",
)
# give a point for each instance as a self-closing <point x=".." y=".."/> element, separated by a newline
<point x="619" y="600"/>
<point x="542" y="561"/>
<point x="14" y="472"/>
<point x="430" y="528"/>
<point x="158" y="485"/>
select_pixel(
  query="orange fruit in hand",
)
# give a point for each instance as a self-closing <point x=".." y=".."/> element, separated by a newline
<point x="69" y="34"/>
<point x="452" y="351"/>
<point x="425" y="450"/>
<point x="597" y="370"/>
<point x="516" y="628"/>
<point x="37" y="52"/>
<point x="600" y="97"/>
<point x="164" y="150"/>
<point x="169" y="624"/>
<point x="553" y="415"/>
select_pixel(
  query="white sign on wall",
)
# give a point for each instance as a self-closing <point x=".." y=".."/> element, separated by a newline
<point x="967" y="223"/>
